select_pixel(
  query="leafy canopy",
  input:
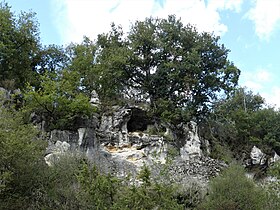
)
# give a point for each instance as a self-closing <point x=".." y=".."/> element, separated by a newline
<point x="165" y="63"/>
<point x="59" y="101"/>
<point x="19" y="46"/>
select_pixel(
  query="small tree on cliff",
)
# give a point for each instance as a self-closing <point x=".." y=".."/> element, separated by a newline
<point x="171" y="65"/>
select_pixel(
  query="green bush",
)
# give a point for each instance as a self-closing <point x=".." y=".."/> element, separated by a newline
<point x="191" y="194"/>
<point x="221" y="152"/>
<point x="21" y="162"/>
<point x="61" y="188"/>
<point x="148" y="194"/>
<point x="98" y="191"/>
<point x="233" y="190"/>
<point x="274" y="170"/>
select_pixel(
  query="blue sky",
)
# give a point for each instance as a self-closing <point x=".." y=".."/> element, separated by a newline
<point x="249" y="28"/>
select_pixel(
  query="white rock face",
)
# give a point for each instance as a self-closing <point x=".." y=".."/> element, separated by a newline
<point x="81" y="132"/>
<point x="62" y="147"/>
<point x="59" y="149"/>
<point x="257" y="156"/>
<point x="275" y="158"/>
<point x="121" y="143"/>
<point x="145" y="149"/>
<point x="94" y="100"/>
<point x="191" y="149"/>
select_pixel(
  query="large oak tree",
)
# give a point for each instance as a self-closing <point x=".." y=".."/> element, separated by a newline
<point x="178" y="70"/>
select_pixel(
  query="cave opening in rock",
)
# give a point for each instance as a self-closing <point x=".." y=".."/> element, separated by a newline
<point x="139" y="120"/>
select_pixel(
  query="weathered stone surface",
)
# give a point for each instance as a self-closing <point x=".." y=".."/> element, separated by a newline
<point x="94" y="100"/>
<point x="275" y="158"/>
<point x="120" y="142"/>
<point x="257" y="156"/>
<point x="58" y="149"/>
<point x="200" y="169"/>
<point x="113" y="127"/>
<point x="4" y="94"/>
<point x="192" y="147"/>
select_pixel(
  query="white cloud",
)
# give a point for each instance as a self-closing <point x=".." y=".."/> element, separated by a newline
<point x="273" y="97"/>
<point x="266" y="15"/>
<point x="227" y="4"/>
<point x="253" y="85"/>
<point x="263" y="76"/>
<point x="258" y="81"/>
<point x="76" y="18"/>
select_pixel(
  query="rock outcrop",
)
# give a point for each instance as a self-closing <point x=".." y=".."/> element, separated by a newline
<point x="257" y="156"/>
<point x="192" y="147"/>
<point x="121" y="141"/>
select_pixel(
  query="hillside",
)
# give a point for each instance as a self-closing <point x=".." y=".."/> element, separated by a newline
<point x="152" y="119"/>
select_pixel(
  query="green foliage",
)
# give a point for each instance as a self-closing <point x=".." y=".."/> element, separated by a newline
<point x="59" y="101"/>
<point x="19" y="45"/>
<point x="274" y="170"/>
<point x="99" y="191"/>
<point x="241" y="121"/>
<point x="221" y="152"/>
<point x="51" y="58"/>
<point x="272" y="194"/>
<point x="61" y="189"/>
<point x="233" y="190"/>
<point x="190" y="194"/>
<point x="21" y="161"/>
<point x="74" y="183"/>
<point x="111" y="61"/>
<point x="161" y="60"/>
<point x="145" y="176"/>
<point x="149" y="195"/>
<point x="81" y="58"/>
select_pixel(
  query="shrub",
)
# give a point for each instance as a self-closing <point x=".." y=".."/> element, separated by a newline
<point x="233" y="190"/>
<point x="191" y="194"/>
<point x="21" y="162"/>
<point x="148" y="195"/>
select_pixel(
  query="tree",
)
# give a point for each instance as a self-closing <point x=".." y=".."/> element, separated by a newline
<point x="241" y="121"/>
<point x="59" y="101"/>
<point x="51" y="58"/>
<point x="19" y="45"/>
<point x="164" y="62"/>
<point x="111" y="60"/>
<point x="81" y="59"/>
<point x="150" y="194"/>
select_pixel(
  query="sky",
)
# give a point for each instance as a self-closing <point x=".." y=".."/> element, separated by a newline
<point x="249" y="28"/>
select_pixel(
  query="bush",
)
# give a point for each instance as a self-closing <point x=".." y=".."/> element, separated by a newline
<point x="61" y="187"/>
<point x="97" y="191"/>
<point x="191" y="194"/>
<point x="148" y="195"/>
<point x="22" y="165"/>
<point x="274" y="170"/>
<point x="233" y="190"/>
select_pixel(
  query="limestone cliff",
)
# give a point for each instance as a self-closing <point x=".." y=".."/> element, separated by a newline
<point x="123" y="140"/>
